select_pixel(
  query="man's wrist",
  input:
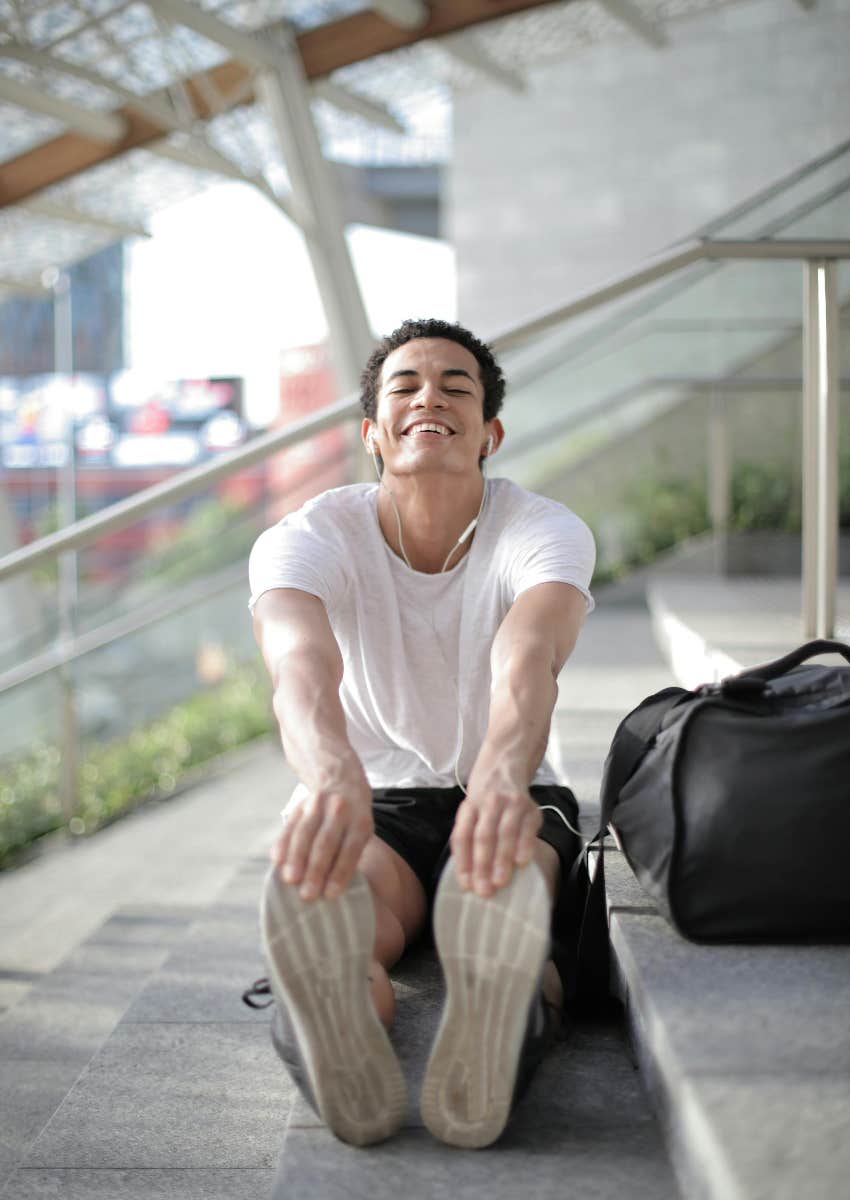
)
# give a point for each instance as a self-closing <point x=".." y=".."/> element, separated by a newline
<point x="342" y="774"/>
<point x="499" y="770"/>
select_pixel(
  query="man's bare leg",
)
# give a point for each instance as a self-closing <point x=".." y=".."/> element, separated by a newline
<point x="549" y="862"/>
<point x="400" y="912"/>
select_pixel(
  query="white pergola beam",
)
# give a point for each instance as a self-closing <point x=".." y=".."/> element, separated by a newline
<point x="286" y="95"/>
<point x="150" y="106"/>
<point x="469" y="50"/>
<point x="407" y="14"/>
<point x="243" y="46"/>
<point x="628" y="14"/>
<point x="76" y="216"/>
<point x="203" y="157"/>
<point x="347" y="101"/>
<point x="100" y="126"/>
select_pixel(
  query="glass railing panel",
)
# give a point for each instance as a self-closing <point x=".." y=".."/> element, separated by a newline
<point x="830" y="219"/>
<point x="160" y="619"/>
<point x="723" y="321"/>
<point x="634" y="455"/>
<point x="776" y="210"/>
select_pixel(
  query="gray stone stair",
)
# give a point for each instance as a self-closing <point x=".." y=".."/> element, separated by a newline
<point x="745" y="1051"/>
<point x="177" y="1092"/>
<point x="48" y="1039"/>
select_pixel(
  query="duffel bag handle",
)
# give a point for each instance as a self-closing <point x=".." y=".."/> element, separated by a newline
<point x="779" y="666"/>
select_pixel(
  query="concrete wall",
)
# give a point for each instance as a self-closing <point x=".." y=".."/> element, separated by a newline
<point x="620" y="149"/>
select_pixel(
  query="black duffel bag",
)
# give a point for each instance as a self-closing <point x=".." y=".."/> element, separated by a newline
<point x="732" y="802"/>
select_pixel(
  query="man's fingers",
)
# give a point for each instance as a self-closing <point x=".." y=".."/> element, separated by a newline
<point x="461" y="843"/>
<point x="507" y="843"/>
<point x="483" y="849"/>
<point x="323" y="852"/>
<point x="346" y="861"/>
<point x="527" y="841"/>
<point x="301" y="829"/>
<point x="280" y="846"/>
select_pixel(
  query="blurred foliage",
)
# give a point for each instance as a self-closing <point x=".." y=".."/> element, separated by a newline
<point x="656" y="512"/>
<point x="149" y="764"/>
<point x="764" y="496"/>
<point x="653" y="515"/>
<point x="214" y="534"/>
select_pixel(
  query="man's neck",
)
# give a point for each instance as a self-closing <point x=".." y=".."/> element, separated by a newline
<point x="434" y="511"/>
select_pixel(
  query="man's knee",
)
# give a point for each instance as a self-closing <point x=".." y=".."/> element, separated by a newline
<point x="389" y="935"/>
<point x="395" y="886"/>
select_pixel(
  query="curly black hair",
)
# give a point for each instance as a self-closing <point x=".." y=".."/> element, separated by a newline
<point x="490" y="371"/>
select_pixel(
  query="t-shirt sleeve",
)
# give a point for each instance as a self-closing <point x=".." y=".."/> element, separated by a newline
<point x="552" y="545"/>
<point x="293" y="555"/>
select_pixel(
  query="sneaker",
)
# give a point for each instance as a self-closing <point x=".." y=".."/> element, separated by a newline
<point x="495" y="1025"/>
<point x="326" y="1029"/>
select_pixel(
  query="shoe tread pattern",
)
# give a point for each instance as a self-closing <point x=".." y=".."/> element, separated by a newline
<point x="318" y="954"/>
<point x="492" y="951"/>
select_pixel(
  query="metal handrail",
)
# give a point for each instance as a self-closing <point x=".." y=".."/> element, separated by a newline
<point x="187" y="483"/>
<point x="699" y="250"/>
<point x="196" y="479"/>
<point x="765" y="194"/>
<point x="559" y="350"/>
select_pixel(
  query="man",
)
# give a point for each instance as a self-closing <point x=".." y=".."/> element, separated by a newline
<point x="414" y="631"/>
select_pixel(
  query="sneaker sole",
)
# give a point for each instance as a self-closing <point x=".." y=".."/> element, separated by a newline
<point x="492" y="952"/>
<point x="318" y="954"/>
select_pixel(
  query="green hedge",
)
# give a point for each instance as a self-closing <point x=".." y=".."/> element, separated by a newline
<point x="656" y="512"/>
<point x="151" y="763"/>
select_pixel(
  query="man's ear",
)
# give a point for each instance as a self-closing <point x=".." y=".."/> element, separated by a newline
<point x="495" y="430"/>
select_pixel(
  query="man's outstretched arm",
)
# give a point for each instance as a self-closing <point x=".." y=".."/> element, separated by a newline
<point x="498" y="822"/>
<point x="324" y="837"/>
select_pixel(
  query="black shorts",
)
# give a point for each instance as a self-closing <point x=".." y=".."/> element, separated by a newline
<point x="417" y="824"/>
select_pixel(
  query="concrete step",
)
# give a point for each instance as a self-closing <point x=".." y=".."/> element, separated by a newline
<point x="584" y="1127"/>
<point x="49" y="1038"/>
<point x="186" y="1097"/>
<point x="745" y="1051"/>
<point x="179" y="1094"/>
<point x="708" y="627"/>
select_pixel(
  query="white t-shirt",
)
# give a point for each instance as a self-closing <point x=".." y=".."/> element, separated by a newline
<point x="416" y="647"/>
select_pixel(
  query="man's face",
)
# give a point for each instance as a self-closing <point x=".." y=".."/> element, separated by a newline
<point x="426" y="383"/>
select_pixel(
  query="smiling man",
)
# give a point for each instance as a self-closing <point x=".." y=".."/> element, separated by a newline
<point x="414" y="630"/>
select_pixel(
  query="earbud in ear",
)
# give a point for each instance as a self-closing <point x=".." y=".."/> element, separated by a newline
<point x="489" y="449"/>
<point x="370" y="442"/>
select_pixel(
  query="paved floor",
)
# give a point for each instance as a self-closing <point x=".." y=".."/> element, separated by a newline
<point x="131" y="1069"/>
<point x="714" y="626"/>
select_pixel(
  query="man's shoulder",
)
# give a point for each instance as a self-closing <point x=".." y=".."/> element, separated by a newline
<point x="336" y="508"/>
<point x="350" y="497"/>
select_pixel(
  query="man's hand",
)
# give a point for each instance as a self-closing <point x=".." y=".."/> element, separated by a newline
<point x="324" y="837"/>
<point x="495" y="831"/>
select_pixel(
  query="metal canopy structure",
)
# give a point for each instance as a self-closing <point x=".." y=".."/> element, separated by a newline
<point x="113" y="109"/>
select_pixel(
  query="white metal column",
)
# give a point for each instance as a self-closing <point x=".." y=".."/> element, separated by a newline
<point x="286" y="95"/>
<point x="820" y="447"/>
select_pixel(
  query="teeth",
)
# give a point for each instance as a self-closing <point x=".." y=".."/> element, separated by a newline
<point x="423" y="427"/>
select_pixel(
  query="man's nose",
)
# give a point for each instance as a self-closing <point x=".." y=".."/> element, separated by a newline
<point x="429" y="395"/>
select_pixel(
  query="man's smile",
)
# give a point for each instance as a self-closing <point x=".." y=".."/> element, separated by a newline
<point x="428" y="429"/>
